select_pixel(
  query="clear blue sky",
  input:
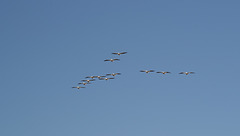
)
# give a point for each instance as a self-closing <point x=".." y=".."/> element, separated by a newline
<point x="48" y="46"/>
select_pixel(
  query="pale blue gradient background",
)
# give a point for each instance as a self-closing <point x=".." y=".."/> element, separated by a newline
<point x="47" y="46"/>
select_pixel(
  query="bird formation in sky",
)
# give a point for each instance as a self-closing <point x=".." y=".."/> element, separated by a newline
<point x="165" y="72"/>
<point x="88" y="81"/>
<point x="109" y="76"/>
<point x="106" y="77"/>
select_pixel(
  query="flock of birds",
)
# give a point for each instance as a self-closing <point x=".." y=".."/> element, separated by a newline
<point x="165" y="72"/>
<point x="106" y="77"/>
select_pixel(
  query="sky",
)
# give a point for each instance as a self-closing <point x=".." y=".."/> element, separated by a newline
<point x="48" y="46"/>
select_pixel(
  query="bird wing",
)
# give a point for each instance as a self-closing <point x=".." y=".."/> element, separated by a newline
<point x="114" y="53"/>
<point x="182" y="73"/>
<point x="159" y="72"/>
<point x="142" y="70"/>
<point x="116" y="59"/>
<point x="151" y="70"/>
<point x="123" y="52"/>
<point x="192" y="72"/>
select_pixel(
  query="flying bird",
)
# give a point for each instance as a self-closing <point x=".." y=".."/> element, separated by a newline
<point x="84" y="83"/>
<point x="186" y="73"/>
<point x="146" y="71"/>
<point x="163" y="72"/>
<point x="119" y="53"/>
<point x="106" y="78"/>
<point x="78" y="87"/>
<point x="90" y="77"/>
<point x="88" y="80"/>
<point x="112" y="60"/>
<point x="113" y="74"/>
<point x="99" y="76"/>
